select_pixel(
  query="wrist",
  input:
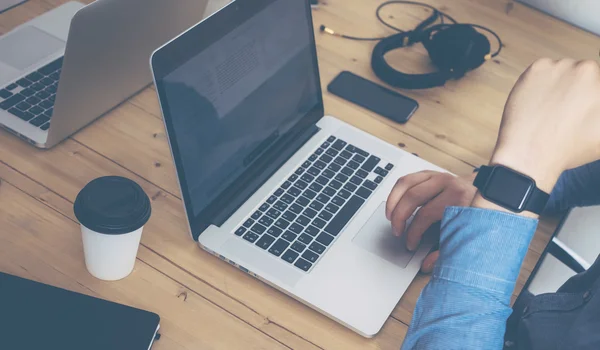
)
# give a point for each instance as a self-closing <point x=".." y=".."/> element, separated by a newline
<point x="545" y="174"/>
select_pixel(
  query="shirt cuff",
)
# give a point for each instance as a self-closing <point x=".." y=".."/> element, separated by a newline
<point x="483" y="248"/>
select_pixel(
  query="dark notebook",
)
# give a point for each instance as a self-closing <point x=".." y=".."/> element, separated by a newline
<point x="38" y="316"/>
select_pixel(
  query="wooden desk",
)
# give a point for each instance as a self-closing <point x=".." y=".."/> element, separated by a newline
<point x="203" y="302"/>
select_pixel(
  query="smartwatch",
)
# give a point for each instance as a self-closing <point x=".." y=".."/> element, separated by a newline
<point x="510" y="189"/>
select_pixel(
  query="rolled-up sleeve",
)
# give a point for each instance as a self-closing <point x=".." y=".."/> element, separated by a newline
<point x="467" y="302"/>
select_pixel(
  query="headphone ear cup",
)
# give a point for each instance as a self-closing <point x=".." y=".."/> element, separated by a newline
<point x="458" y="48"/>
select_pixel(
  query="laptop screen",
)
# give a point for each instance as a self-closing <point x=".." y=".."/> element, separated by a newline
<point x="228" y="103"/>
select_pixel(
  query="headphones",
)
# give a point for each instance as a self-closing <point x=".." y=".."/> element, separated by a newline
<point x="453" y="48"/>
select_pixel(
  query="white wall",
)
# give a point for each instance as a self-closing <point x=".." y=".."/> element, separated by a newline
<point x="582" y="13"/>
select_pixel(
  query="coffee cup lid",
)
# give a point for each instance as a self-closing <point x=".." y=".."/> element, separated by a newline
<point x="112" y="205"/>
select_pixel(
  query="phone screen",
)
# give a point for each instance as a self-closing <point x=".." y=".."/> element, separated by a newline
<point x="374" y="97"/>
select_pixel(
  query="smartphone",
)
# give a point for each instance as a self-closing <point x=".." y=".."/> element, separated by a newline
<point x="373" y="97"/>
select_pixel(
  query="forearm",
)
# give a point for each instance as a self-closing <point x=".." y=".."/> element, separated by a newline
<point x="467" y="301"/>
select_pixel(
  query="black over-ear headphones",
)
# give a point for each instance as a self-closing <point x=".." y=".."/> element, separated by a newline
<point x="454" y="48"/>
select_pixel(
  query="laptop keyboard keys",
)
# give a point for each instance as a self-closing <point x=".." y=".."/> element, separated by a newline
<point x="310" y="256"/>
<point x="329" y="191"/>
<point x="319" y="223"/>
<point x="295" y="208"/>
<point x="240" y="231"/>
<point x="5" y="93"/>
<point x="24" y="82"/>
<point x="344" y="215"/>
<point x="370" y="185"/>
<point x="39" y="120"/>
<point x="282" y="224"/>
<point x="278" y="247"/>
<point x="287" y="199"/>
<point x="325" y="215"/>
<point x="311" y="230"/>
<point x="339" y="145"/>
<point x="265" y="241"/>
<point x="299" y="247"/>
<point x="51" y="67"/>
<point x="297" y="229"/>
<point x="272" y="213"/>
<point x="370" y="164"/>
<point x="274" y="231"/>
<point x="317" y="248"/>
<point x="290" y="256"/>
<point x="258" y="228"/>
<point x="281" y="206"/>
<point x="289" y="216"/>
<point x="266" y="221"/>
<point x="303" y="264"/>
<point x="344" y="194"/>
<point x="289" y="236"/>
<point x="304" y="238"/>
<point x="11" y="101"/>
<point x="251" y="237"/>
<point x="314" y="204"/>
<point x="364" y="192"/>
<point x="303" y="220"/>
<point x="324" y="239"/>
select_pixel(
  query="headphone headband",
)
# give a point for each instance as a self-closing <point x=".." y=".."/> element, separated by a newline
<point x="393" y="77"/>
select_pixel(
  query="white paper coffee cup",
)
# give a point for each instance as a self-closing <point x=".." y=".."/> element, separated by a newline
<point x="112" y="211"/>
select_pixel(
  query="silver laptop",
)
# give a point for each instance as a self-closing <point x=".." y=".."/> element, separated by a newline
<point x="272" y="185"/>
<point x="67" y="67"/>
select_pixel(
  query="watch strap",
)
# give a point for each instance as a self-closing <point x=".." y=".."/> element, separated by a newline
<point x="537" y="199"/>
<point x="483" y="174"/>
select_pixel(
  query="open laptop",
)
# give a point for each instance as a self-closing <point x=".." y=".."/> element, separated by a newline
<point x="65" y="68"/>
<point x="270" y="184"/>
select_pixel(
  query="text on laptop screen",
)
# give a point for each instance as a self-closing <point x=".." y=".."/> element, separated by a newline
<point x="241" y="93"/>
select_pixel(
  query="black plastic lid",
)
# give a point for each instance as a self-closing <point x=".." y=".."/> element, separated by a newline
<point x="112" y="205"/>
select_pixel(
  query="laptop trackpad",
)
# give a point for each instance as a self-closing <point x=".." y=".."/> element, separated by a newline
<point x="28" y="46"/>
<point x="376" y="236"/>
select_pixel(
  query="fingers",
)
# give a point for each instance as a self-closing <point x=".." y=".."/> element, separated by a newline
<point x="429" y="214"/>
<point x="429" y="262"/>
<point x="402" y="185"/>
<point x="415" y="197"/>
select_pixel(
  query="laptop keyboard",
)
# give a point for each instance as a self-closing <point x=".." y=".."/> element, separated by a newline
<point x="303" y="217"/>
<point x="32" y="98"/>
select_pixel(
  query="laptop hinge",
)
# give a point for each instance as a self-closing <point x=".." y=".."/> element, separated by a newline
<point x="233" y="198"/>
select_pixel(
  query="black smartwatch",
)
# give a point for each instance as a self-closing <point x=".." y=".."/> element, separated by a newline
<point x="510" y="189"/>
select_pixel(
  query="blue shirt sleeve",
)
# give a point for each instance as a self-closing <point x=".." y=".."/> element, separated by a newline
<point x="577" y="187"/>
<point x="467" y="302"/>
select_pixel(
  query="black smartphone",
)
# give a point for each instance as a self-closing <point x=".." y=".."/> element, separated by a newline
<point x="373" y="97"/>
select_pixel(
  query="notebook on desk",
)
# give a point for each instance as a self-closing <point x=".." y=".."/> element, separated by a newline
<point x="38" y="316"/>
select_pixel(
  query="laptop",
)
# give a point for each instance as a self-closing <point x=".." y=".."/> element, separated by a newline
<point x="269" y="183"/>
<point x="65" y="68"/>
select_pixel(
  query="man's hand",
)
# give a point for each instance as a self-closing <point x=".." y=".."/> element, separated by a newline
<point x="551" y="120"/>
<point x="433" y="192"/>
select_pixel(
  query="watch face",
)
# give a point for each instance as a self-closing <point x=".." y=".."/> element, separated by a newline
<point x="508" y="188"/>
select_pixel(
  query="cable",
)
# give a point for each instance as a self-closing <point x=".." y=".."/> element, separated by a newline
<point x="436" y="14"/>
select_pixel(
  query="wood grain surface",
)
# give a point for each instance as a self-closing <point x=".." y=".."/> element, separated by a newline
<point x="203" y="302"/>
